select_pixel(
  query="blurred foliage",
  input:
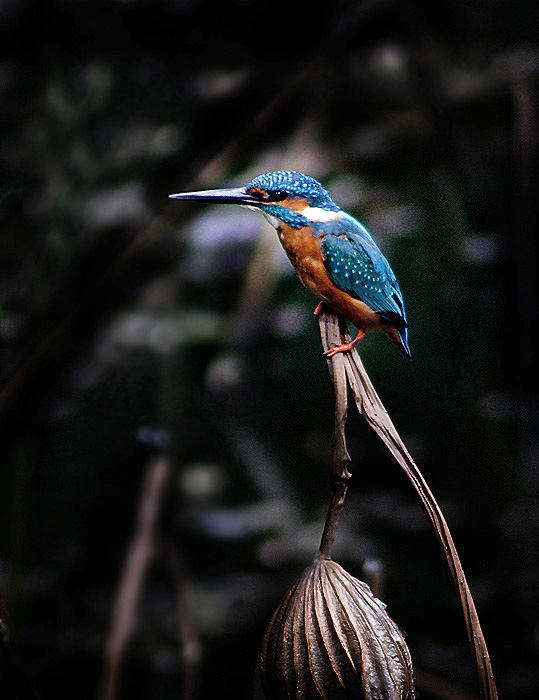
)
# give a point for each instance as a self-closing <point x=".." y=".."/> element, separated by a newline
<point x="131" y="326"/>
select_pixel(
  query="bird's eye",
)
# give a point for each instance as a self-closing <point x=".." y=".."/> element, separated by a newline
<point x="268" y="195"/>
<point x="277" y="195"/>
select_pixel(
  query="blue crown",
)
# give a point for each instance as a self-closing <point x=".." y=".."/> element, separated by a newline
<point x="295" y="185"/>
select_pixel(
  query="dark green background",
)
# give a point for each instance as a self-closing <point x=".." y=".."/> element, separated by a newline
<point x="124" y="329"/>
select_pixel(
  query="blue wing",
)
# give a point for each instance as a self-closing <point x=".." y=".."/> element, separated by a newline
<point x="356" y="265"/>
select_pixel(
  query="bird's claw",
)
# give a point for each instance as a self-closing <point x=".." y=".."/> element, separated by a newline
<point x="345" y="347"/>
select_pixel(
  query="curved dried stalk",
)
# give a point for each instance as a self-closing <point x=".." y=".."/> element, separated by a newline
<point x="334" y="332"/>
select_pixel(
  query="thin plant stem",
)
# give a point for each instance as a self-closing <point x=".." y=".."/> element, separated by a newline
<point x="339" y="476"/>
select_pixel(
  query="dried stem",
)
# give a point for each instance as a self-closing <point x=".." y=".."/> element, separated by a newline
<point x="339" y="477"/>
<point x="374" y="412"/>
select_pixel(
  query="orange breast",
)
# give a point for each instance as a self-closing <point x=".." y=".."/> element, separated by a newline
<point x="304" y="252"/>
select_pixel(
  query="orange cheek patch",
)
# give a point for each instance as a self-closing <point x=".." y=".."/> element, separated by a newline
<point x="297" y="204"/>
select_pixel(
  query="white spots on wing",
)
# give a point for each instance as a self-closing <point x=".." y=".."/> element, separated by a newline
<point x="358" y="271"/>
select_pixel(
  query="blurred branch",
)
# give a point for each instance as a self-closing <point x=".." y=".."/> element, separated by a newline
<point x="191" y="647"/>
<point x="133" y="575"/>
<point x="248" y="322"/>
<point x="250" y="315"/>
<point x="524" y="238"/>
<point x="292" y="79"/>
<point x="374" y="412"/>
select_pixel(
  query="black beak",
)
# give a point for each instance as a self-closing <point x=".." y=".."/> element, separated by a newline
<point x="235" y="195"/>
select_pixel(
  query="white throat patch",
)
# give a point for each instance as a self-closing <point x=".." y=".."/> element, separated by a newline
<point x="318" y="214"/>
<point x="273" y="220"/>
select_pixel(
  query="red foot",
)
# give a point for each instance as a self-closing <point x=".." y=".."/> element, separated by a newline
<point x="346" y="346"/>
<point x="319" y="309"/>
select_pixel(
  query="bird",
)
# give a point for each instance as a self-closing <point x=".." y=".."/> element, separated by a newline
<point x="334" y="255"/>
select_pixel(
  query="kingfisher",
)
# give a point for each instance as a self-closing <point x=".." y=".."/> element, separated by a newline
<point x="334" y="255"/>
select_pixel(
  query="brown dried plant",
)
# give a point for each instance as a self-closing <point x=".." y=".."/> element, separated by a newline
<point x="330" y="638"/>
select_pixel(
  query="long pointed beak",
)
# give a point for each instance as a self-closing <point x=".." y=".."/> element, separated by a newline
<point x="234" y="195"/>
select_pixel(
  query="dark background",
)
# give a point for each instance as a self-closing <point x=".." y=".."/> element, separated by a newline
<point x="136" y="329"/>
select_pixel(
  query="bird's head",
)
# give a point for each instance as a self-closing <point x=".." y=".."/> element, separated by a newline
<point x="288" y="196"/>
